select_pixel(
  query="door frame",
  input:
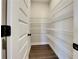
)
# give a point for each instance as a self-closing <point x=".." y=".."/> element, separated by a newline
<point x="4" y="22"/>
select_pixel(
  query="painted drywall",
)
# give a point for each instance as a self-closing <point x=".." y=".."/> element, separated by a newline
<point x="60" y="28"/>
<point x="39" y="15"/>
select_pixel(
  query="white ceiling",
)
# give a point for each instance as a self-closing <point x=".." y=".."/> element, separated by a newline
<point x="40" y="0"/>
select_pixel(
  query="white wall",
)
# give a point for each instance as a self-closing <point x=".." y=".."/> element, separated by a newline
<point x="60" y="28"/>
<point x="39" y="15"/>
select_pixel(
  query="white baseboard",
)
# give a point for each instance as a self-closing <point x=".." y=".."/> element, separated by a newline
<point x="39" y="43"/>
<point x="54" y="50"/>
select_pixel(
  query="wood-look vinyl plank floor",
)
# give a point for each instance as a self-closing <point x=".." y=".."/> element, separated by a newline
<point x="42" y="52"/>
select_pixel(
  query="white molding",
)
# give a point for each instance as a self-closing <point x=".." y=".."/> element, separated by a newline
<point x="54" y="50"/>
<point x="39" y="43"/>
